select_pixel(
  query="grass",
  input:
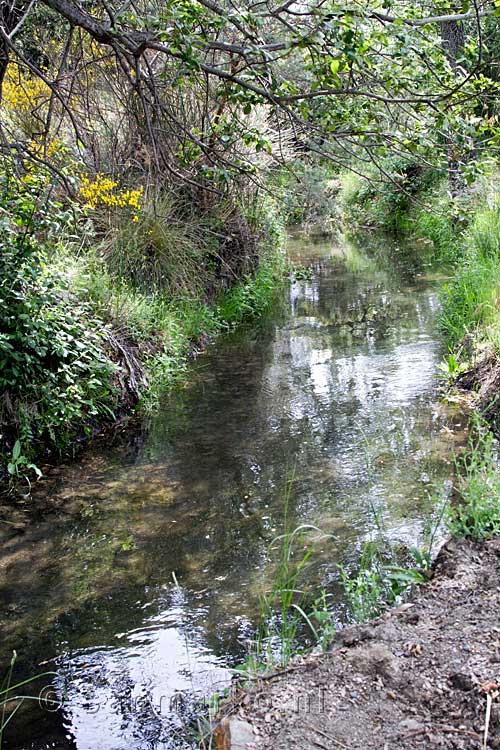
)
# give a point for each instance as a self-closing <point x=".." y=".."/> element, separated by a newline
<point x="10" y="698"/>
<point x="167" y="249"/>
<point x="476" y="514"/>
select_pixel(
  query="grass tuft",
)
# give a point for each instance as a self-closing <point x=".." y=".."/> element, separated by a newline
<point x="476" y="515"/>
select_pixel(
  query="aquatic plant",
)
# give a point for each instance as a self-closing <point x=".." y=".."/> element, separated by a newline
<point x="11" y="699"/>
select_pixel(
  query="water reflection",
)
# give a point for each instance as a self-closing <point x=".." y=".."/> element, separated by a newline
<point x="144" y="587"/>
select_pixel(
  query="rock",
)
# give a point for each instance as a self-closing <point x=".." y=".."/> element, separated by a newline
<point x="234" y="734"/>
<point x="410" y="725"/>
<point x="462" y="681"/>
<point x="373" y="660"/>
<point x="241" y="735"/>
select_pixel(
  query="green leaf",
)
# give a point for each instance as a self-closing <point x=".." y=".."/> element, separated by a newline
<point x="334" y="66"/>
<point x="16" y="451"/>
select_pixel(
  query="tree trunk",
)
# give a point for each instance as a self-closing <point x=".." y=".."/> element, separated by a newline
<point x="453" y="41"/>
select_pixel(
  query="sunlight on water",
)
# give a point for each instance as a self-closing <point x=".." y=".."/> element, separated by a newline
<point x="340" y="390"/>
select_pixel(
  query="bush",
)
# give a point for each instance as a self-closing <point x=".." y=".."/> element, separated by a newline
<point x="54" y="368"/>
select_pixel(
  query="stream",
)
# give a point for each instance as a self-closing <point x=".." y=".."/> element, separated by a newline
<point x="140" y="590"/>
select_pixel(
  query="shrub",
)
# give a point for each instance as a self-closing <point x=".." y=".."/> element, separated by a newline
<point x="54" y="368"/>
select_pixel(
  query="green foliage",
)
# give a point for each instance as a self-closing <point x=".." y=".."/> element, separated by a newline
<point x="324" y="623"/>
<point x="54" y="367"/>
<point x="73" y="324"/>
<point x="287" y="606"/>
<point x="367" y="592"/>
<point x="379" y="581"/>
<point x="254" y="296"/>
<point x="19" y="464"/>
<point x="485" y="232"/>
<point x="387" y="196"/>
<point x="434" y="222"/>
<point x="470" y="300"/>
<point x="450" y="367"/>
<point x="476" y="514"/>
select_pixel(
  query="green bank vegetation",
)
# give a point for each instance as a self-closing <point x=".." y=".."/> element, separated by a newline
<point x="150" y="153"/>
<point x="89" y="328"/>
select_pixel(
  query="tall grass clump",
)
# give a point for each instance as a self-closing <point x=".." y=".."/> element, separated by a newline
<point x="164" y="249"/>
<point x="470" y="300"/>
<point x="434" y="220"/>
<point x="290" y="604"/>
<point x="476" y="514"/>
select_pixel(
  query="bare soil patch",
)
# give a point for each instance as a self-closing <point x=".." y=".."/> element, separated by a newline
<point x="425" y="675"/>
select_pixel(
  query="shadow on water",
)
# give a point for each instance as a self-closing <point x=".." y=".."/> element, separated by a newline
<point x="142" y="589"/>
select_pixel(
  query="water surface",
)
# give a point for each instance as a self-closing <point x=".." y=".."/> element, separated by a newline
<point x="142" y="588"/>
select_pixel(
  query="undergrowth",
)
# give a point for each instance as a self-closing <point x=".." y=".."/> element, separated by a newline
<point x="90" y="327"/>
<point x="476" y="513"/>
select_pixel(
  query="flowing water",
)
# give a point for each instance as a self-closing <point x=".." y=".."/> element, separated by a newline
<point x="141" y="589"/>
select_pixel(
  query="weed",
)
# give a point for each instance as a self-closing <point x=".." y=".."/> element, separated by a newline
<point x="450" y="368"/>
<point x="19" y="467"/>
<point x="380" y="582"/>
<point x="322" y="615"/>
<point x="477" y="512"/>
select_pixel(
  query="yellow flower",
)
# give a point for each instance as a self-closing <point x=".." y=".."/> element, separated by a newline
<point x="103" y="191"/>
<point x="22" y="92"/>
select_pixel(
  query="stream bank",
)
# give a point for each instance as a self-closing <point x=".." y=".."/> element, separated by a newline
<point x="424" y="675"/>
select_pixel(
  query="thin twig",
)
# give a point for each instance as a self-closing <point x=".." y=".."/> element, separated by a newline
<point x="489" y="701"/>
<point x="327" y="736"/>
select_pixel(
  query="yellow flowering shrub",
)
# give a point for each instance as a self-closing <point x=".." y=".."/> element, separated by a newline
<point x="22" y="92"/>
<point x="103" y="191"/>
<point x="46" y="150"/>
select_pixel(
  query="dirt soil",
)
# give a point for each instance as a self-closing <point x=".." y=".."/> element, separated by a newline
<point x="425" y="675"/>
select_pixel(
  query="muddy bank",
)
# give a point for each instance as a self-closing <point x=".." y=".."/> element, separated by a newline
<point x="480" y="385"/>
<point x="424" y="675"/>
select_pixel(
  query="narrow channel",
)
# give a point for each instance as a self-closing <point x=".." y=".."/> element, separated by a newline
<point x="140" y="588"/>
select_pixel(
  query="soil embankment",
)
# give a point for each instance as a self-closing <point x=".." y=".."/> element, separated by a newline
<point x="425" y="675"/>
